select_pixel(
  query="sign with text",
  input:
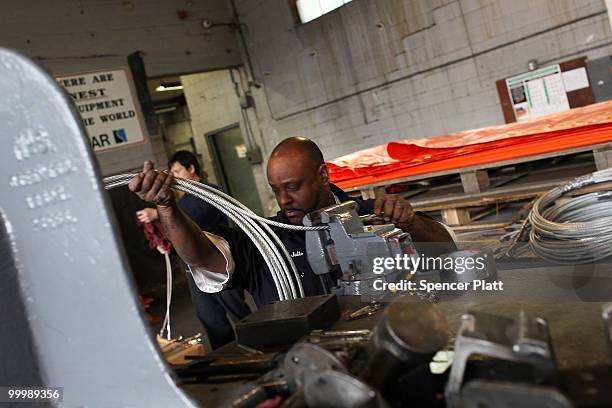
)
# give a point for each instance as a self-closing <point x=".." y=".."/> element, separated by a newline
<point x="107" y="107"/>
<point x="537" y="93"/>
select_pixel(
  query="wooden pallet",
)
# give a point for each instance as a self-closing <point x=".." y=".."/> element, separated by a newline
<point x="477" y="188"/>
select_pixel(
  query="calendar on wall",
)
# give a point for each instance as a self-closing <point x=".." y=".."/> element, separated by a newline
<point x="537" y="93"/>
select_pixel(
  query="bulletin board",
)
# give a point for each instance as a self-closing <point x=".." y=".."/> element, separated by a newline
<point x="550" y="89"/>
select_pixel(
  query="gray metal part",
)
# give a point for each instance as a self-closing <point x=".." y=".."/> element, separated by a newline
<point x="305" y="359"/>
<point x="82" y="309"/>
<point x="355" y="247"/>
<point x="19" y="363"/>
<point x="253" y="393"/>
<point x="316" y="243"/>
<point x="407" y="336"/>
<point x="525" y="339"/>
<point x="405" y="325"/>
<point x="601" y="78"/>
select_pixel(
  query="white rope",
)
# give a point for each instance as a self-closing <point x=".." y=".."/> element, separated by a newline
<point x="166" y="323"/>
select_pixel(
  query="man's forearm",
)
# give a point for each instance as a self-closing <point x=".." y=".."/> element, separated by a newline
<point x="190" y="242"/>
<point x="431" y="237"/>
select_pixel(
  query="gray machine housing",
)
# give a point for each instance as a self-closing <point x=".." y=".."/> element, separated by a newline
<point x="347" y="249"/>
<point x="69" y="291"/>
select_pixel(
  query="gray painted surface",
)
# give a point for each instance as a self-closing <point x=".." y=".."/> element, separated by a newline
<point x="600" y="77"/>
<point x="235" y="170"/>
<point x="18" y="359"/>
<point x="82" y="309"/>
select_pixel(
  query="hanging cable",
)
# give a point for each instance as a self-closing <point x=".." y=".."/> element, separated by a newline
<point x="282" y="268"/>
<point x="277" y="267"/>
<point x="166" y="324"/>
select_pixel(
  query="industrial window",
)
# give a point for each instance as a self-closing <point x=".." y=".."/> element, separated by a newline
<point x="308" y="10"/>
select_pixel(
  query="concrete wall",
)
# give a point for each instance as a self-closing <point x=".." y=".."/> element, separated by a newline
<point x="66" y="35"/>
<point x="379" y="70"/>
<point x="79" y="35"/>
<point x="176" y="128"/>
<point x="369" y="72"/>
<point x="214" y="104"/>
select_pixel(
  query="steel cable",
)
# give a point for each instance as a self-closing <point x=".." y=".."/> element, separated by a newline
<point x="282" y="268"/>
<point x="577" y="230"/>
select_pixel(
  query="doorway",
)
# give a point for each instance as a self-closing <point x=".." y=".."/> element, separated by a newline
<point x="232" y="166"/>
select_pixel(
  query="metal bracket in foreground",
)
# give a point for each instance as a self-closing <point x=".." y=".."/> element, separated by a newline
<point x="87" y="329"/>
<point x="524" y="340"/>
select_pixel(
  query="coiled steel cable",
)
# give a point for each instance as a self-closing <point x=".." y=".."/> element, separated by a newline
<point x="275" y="255"/>
<point x="576" y="231"/>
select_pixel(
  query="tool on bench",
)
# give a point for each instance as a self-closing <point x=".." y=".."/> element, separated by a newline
<point x="344" y="252"/>
<point x="365" y="311"/>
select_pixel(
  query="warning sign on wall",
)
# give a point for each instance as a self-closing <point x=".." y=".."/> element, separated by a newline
<point x="107" y="107"/>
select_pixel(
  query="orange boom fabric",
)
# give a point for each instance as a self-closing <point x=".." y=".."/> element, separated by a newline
<point x="578" y="127"/>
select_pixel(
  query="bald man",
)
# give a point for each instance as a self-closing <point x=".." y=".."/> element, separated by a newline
<point x="299" y="179"/>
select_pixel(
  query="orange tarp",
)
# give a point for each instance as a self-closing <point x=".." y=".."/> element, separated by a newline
<point x="589" y="125"/>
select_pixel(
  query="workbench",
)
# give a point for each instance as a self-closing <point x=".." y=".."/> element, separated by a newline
<point x="569" y="298"/>
<point x="478" y="187"/>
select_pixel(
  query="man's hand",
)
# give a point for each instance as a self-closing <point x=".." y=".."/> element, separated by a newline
<point x="395" y="210"/>
<point x="147" y="215"/>
<point x="153" y="186"/>
<point x="193" y="247"/>
<point x="429" y="236"/>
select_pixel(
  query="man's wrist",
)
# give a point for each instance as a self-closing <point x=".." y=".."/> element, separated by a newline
<point x="167" y="208"/>
<point x="414" y="224"/>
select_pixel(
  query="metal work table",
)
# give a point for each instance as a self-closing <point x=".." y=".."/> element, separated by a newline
<point x="569" y="298"/>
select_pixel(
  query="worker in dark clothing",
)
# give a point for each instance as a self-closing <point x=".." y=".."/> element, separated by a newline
<point x="214" y="310"/>
<point x="300" y="180"/>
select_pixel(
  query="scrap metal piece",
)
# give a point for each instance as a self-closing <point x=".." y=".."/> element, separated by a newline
<point x="365" y="311"/>
<point x="285" y="322"/>
<point x="342" y="339"/>
<point x="305" y="359"/>
<point x="363" y="333"/>
<point x="333" y="389"/>
<point x="203" y="369"/>
<point x="479" y="394"/>
<point x="348" y="248"/>
<point x="525" y="340"/>
<point x="250" y="350"/>
<point x="408" y="335"/>
<point x="72" y="272"/>
<point x="250" y="395"/>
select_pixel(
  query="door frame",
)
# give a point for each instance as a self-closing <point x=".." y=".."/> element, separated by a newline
<point x="209" y="137"/>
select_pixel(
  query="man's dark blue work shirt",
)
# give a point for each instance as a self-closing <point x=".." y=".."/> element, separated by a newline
<point x="214" y="310"/>
<point x="204" y="214"/>
<point x="251" y="272"/>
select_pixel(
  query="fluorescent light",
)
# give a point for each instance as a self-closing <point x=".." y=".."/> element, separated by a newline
<point x="165" y="110"/>
<point x="163" y="88"/>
